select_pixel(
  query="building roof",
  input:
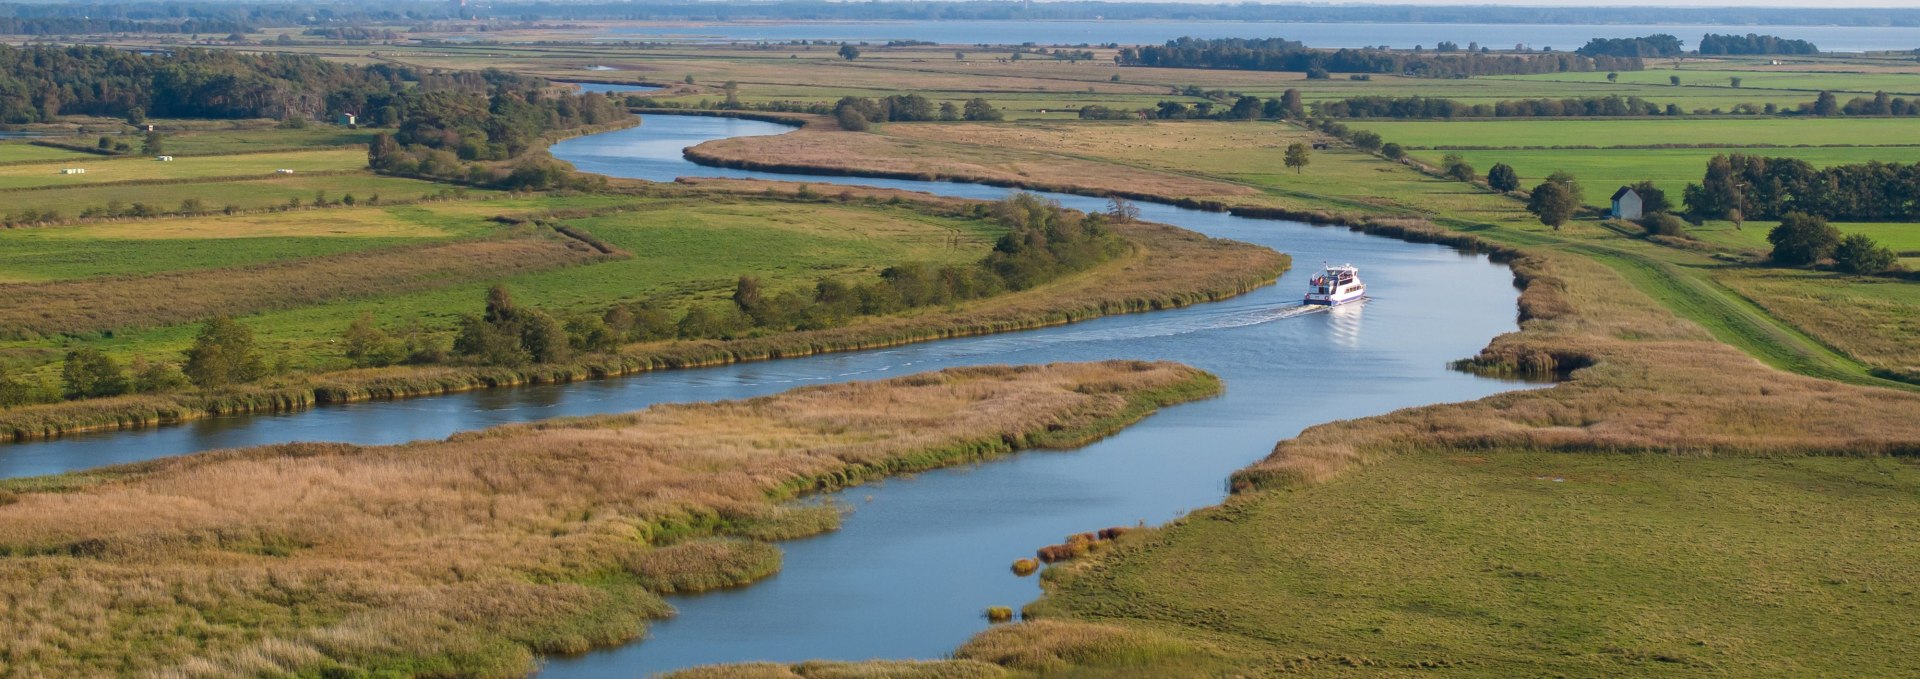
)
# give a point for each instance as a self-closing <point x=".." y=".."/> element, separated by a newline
<point x="1624" y="190"/>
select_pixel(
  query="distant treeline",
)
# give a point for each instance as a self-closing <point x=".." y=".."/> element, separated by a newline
<point x="1754" y="44"/>
<point x="1276" y="54"/>
<point x="74" y="25"/>
<point x="1658" y="45"/>
<point x="39" y="84"/>
<point x="1757" y="187"/>
<point x="449" y="134"/>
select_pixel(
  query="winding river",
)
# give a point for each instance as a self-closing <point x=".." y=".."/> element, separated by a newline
<point x="920" y="557"/>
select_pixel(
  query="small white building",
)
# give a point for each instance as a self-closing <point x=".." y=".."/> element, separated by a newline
<point x="1626" y="204"/>
<point x="164" y="159"/>
<point x="74" y="170"/>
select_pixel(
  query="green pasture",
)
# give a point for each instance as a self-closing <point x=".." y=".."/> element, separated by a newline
<point x="1603" y="133"/>
<point x="1602" y="171"/>
<point x="1801" y="80"/>
<point x="250" y="194"/>
<point x="685" y="252"/>
<point x="22" y="152"/>
<point x="100" y="169"/>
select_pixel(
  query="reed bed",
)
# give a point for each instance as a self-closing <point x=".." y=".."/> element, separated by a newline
<point x="464" y="557"/>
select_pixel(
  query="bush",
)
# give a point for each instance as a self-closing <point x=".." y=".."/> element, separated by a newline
<point x="1393" y="150"/>
<point x="1802" y="239"/>
<point x="223" y="354"/>
<point x="1503" y="179"/>
<point x="1859" y="254"/>
<point x="1663" y="224"/>
<point x="91" y="373"/>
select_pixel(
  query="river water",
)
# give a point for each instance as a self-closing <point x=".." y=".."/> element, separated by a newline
<point x="919" y="557"/>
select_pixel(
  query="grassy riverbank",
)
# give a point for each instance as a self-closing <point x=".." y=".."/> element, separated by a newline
<point x="464" y="557"/>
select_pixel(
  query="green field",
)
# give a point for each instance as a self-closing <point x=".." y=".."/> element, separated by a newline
<point x="685" y="252"/>
<point x="1602" y="171"/>
<point x="22" y="152"/>
<point x="1892" y="83"/>
<point x="241" y="141"/>
<point x="265" y="192"/>
<point x="1603" y="133"/>
<point x="1541" y="564"/>
<point x="140" y="168"/>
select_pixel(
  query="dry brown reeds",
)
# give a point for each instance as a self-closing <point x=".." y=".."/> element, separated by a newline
<point x="464" y="557"/>
<point x="1025" y="567"/>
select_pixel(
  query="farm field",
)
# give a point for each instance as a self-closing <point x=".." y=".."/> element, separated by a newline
<point x="250" y="194"/>
<point x="1602" y="171"/>
<point x="1517" y="133"/>
<point x="1805" y="81"/>
<point x="100" y="169"/>
<point x="242" y="141"/>
<point x="22" y="152"/>
<point x="683" y="252"/>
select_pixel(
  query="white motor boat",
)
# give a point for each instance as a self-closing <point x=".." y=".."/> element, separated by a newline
<point x="1337" y="285"/>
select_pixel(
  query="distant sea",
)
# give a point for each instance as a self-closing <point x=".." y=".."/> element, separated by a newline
<point x="1497" y="36"/>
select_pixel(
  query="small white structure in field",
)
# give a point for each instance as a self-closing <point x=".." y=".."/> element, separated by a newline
<point x="283" y="171"/>
<point x="74" y="170"/>
<point x="164" y="159"/>
<point x="1626" y="204"/>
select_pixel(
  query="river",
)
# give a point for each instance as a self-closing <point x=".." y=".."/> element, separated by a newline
<point x="920" y="557"/>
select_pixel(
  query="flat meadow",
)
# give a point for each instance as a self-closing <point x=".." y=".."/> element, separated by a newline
<point x="101" y="169"/>
<point x="267" y="191"/>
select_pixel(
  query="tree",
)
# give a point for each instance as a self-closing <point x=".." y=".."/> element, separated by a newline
<point x="850" y="119"/>
<point x="1802" y="239"/>
<point x="1826" y="105"/>
<point x="223" y="354"/>
<point x="1245" y="108"/>
<point x="849" y="52"/>
<point x="136" y="116"/>
<point x="1735" y="80"/>
<point x="370" y="347"/>
<point x="979" y="109"/>
<point x="1298" y="157"/>
<point x="1457" y="167"/>
<point x="1613" y="77"/>
<point x="1859" y="254"/>
<point x="544" y="337"/>
<point x="1502" y="178"/>
<point x="91" y="373"/>
<point x="1393" y="150"/>
<point x="948" y="111"/>
<point x="1652" y="198"/>
<point x="1291" y="104"/>
<point x="1673" y="80"/>
<point x="1566" y="179"/>
<point x="1553" y="202"/>
<point x="748" y="298"/>
<point x="489" y="343"/>
<point x="1122" y="210"/>
<point x="1366" y="140"/>
<point x="155" y="144"/>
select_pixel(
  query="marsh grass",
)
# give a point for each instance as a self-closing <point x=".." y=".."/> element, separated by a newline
<point x="463" y="557"/>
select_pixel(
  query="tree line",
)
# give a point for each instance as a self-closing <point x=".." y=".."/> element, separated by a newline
<point x="1752" y="43"/>
<point x="1277" y="54"/>
<point x="1738" y="186"/>
<point x="453" y="133"/>
<point x="40" y="84"/>
<point x="856" y="113"/>
<point x="1657" y="45"/>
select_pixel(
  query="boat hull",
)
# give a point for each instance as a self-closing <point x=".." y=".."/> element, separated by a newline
<point x="1335" y="300"/>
